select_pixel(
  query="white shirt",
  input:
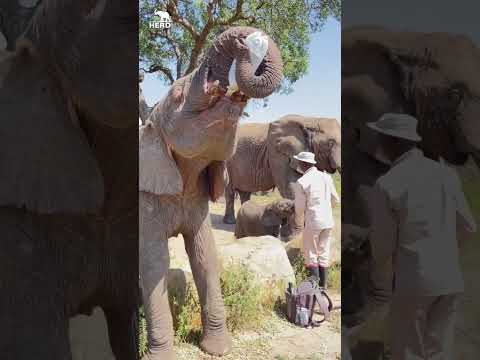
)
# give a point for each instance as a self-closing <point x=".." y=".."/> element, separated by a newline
<point x="415" y="209"/>
<point x="314" y="193"/>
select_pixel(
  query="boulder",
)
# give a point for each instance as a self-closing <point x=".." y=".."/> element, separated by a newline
<point x="178" y="281"/>
<point x="264" y="256"/>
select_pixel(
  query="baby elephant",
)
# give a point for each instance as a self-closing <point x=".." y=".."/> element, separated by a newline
<point x="258" y="220"/>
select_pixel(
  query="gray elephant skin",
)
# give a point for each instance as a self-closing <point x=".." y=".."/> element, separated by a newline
<point x="432" y="76"/>
<point x="259" y="220"/>
<point x="183" y="148"/>
<point x="263" y="159"/>
<point x="68" y="195"/>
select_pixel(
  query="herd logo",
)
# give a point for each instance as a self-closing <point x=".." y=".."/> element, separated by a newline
<point x="165" y="20"/>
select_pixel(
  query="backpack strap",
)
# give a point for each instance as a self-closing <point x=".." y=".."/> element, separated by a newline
<point x="325" y="307"/>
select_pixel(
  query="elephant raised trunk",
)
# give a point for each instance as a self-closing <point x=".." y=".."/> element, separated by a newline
<point x="227" y="47"/>
<point x="267" y="77"/>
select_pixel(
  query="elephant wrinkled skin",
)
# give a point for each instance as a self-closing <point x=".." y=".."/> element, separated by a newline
<point x="183" y="148"/>
<point x="263" y="159"/>
<point x="68" y="198"/>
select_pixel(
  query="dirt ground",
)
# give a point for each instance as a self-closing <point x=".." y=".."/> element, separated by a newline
<point x="278" y="339"/>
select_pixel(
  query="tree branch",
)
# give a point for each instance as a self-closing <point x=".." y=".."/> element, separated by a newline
<point x="160" y="68"/>
<point x="202" y="38"/>
<point x="173" y="11"/>
<point x="176" y="50"/>
<point x="238" y="15"/>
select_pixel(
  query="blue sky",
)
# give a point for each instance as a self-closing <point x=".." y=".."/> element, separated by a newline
<point x="317" y="93"/>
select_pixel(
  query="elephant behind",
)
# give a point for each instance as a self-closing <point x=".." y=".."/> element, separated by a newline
<point x="263" y="159"/>
<point x="259" y="220"/>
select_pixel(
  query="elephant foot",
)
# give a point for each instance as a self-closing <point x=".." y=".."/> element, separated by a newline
<point x="229" y="219"/>
<point x="160" y="355"/>
<point x="217" y="345"/>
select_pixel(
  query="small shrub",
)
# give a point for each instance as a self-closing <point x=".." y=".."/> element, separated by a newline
<point x="334" y="279"/>
<point x="298" y="265"/>
<point x="185" y="308"/>
<point x="242" y="297"/>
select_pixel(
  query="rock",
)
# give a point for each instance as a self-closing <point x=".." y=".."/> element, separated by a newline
<point x="264" y="256"/>
<point x="89" y="337"/>
<point x="178" y="254"/>
<point x="178" y="281"/>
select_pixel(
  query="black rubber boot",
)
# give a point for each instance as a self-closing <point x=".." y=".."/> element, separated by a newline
<point x="313" y="273"/>
<point x="323" y="272"/>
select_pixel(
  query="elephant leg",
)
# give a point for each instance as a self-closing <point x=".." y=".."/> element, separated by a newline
<point x="244" y="196"/>
<point x="229" y="217"/>
<point x="154" y="264"/>
<point x="123" y="332"/>
<point x="200" y="247"/>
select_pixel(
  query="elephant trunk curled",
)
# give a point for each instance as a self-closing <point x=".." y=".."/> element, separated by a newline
<point x="227" y="47"/>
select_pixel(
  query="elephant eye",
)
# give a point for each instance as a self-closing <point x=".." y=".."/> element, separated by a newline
<point x="331" y="143"/>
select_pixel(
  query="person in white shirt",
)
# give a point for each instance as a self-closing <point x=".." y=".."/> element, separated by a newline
<point x="315" y="195"/>
<point x="417" y="206"/>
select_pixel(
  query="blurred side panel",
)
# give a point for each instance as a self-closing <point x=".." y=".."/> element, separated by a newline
<point x="68" y="179"/>
<point x="409" y="209"/>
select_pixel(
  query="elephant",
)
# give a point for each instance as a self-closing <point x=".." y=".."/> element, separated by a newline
<point x="432" y="76"/>
<point x="259" y="220"/>
<point x="183" y="147"/>
<point x="263" y="159"/>
<point x="68" y="195"/>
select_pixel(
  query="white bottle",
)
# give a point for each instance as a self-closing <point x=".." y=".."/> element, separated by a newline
<point x="257" y="43"/>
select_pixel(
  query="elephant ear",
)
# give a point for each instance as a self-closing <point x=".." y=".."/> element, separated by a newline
<point x="46" y="163"/>
<point x="288" y="136"/>
<point x="217" y="179"/>
<point x="158" y="172"/>
<point x="269" y="218"/>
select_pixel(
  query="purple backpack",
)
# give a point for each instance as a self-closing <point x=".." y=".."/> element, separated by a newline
<point x="301" y="303"/>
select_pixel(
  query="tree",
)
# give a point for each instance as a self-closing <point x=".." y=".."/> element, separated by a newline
<point x="176" y="51"/>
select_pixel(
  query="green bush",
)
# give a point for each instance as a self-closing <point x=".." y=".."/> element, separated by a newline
<point x="185" y="308"/>
<point x="298" y="265"/>
<point x="242" y="297"/>
<point x="334" y="279"/>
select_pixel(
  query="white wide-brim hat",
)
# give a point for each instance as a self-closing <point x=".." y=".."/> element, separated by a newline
<point x="306" y="157"/>
<point x="397" y="125"/>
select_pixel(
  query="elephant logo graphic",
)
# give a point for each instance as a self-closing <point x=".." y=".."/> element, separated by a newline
<point x="165" y="20"/>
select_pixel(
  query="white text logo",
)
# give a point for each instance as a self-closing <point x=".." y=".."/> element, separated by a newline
<point x="164" y="23"/>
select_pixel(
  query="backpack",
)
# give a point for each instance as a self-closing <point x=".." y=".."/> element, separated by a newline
<point x="301" y="302"/>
